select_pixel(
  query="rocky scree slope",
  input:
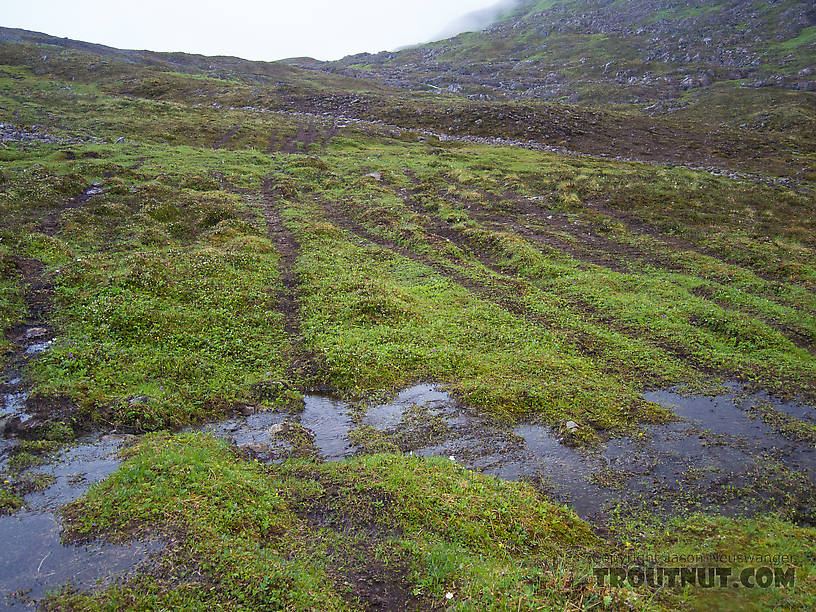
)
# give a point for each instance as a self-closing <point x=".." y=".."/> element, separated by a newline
<point x="610" y="51"/>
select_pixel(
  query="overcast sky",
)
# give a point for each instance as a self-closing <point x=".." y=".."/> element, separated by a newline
<point x="252" y="29"/>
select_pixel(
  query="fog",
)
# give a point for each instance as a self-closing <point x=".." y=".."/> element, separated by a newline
<point x="478" y="20"/>
<point x="252" y="29"/>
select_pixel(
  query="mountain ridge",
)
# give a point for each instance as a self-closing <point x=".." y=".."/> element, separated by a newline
<point x="610" y="51"/>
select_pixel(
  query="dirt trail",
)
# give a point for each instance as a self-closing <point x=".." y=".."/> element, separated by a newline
<point x="227" y="138"/>
<point x="529" y="219"/>
<point x="288" y="249"/>
<point x="305" y="369"/>
<point x="51" y="223"/>
<point x="502" y="220"/>
<point x="798" y="336"/>
<point x="343" y="221"/>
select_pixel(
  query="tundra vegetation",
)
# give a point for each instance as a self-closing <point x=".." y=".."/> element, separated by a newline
<point x="205" y="240"/>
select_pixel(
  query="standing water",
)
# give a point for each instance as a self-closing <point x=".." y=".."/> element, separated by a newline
<point x="34" y="559"/>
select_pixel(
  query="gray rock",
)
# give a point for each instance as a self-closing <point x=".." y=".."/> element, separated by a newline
<point x="571" y="426"/>
<point x="117" y="438"/>
<point x="253" y="448"/>
<point x="36" y="332"/>
<point x="139" y="399"/>
<point x="278" y="429"/>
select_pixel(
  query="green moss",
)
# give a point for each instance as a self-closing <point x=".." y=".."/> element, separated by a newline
<point x="9" y="502"/>
<point x="429" y="514"/>
<point x="299" y="535"/>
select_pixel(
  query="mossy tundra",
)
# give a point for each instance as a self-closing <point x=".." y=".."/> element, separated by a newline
<point x="201" y="260"/>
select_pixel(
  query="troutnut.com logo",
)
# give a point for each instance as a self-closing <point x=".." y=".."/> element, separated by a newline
<point x="762" y="577"/>
<point x="707" y="570"/>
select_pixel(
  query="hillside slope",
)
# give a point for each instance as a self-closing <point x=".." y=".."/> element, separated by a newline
<point x="782" y="145"/>
<point x="613" y="51"/>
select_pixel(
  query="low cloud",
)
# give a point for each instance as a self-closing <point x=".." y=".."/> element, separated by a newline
<point x="479" y="20"/>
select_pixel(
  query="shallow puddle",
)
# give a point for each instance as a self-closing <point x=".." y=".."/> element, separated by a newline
<point x="38" y="347"/>
<point x="386" y="416"/>
<point x="252" y="429"/>
<point x="715" y="445"/>
<point x="330" y="422"/>
<point x="34" y="559"/>
<point x="13" y="398"/>
<point x="718" y="447"/>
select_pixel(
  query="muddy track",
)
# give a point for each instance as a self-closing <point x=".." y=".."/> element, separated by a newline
<point x="601" y="251"/>
<point x="38" y="291"/>
<point x="607" y="254"/>
<point x="227" y="138"/>
<point x="797" y="336"/>
<point x="288" y="249"/>
<point x="513" y="285"/>
<point x="505" y="291"/>
<point x="343" y="221"/>
<point x="359" y="572"/>
<point x="636" y="226"/>
<point x="537" y="226"/>
<point x="304" y="369"/>
<point x="585" y="341"/>
<point x="29" y="337"/>
<point x="51" y="224"/>
<point x="593" y="248"/>
<point x="532" y="231"/>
